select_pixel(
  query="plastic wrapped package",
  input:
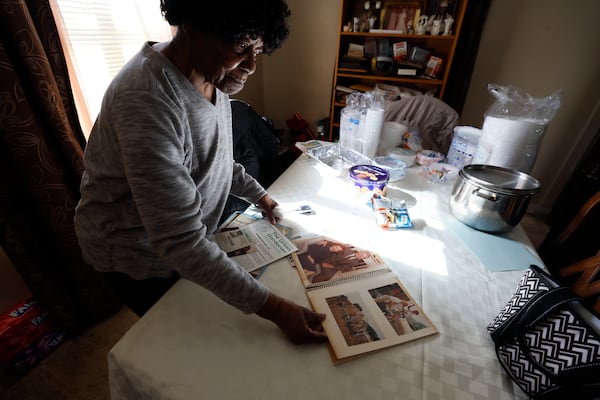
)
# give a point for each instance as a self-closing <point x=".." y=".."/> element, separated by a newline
<point x="361" y="122"/>
<point x="514" y="126"/>
<point x="390" y="214"/>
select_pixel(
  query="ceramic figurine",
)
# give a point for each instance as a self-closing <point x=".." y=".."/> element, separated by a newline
<point x="447" y="25"/>
<point x="435" y="29"/>
<point x="375" y="15"/>
<point x="420" y="29"/>
<point x="372" y="20"/>
<point x="429" y="23"/>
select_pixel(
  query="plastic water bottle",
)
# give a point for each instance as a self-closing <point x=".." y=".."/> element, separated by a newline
<point x="349" y="123"/>
<point x="463" y="146"/>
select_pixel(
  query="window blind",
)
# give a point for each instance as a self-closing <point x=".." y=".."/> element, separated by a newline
<point x="101" y="36"/>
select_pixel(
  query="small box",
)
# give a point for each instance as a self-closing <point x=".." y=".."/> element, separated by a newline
<point x="19" y="326"/>
<point x="35" y="352"/>
<point x="434" y="65"/>
<point x="419" y="55"/>
<point x="26" y="337"/>
<point x="356" y="50"/>
<point x="400" y="50"/>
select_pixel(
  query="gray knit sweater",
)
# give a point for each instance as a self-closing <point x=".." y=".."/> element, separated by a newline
<point x="158" y="169"/>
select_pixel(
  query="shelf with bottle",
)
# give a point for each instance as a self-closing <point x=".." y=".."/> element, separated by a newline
<point x="412" y="17"/>
<point x="395" y="34"/>
<point x="417" y="80"/>
<point x="441" y="44"/>
<point x="360" y="54"/>
<point x="408" y="45"/>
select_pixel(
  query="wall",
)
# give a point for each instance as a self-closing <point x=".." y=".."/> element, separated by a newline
<point x="298" y="77"/>
<point x="536" y="45"/>
<point x="540" y="46"/>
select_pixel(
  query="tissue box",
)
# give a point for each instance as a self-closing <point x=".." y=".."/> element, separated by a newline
<point x="26" y="337"/>
<point x="27" y="358"/>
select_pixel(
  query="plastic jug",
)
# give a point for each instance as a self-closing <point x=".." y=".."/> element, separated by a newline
<point x="463" y="146"/>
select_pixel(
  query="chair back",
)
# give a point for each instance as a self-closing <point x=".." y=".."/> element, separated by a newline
<point x="584" y="278"/>
<point x="434" y="119"/>
<point x="578" y="240"/>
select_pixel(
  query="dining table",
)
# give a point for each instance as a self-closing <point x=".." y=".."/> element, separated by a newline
<point x="193" y="345"/>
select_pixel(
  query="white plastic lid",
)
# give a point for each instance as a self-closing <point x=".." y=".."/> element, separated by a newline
<point x="468" y="131"/>
<point x="406" y="155"/>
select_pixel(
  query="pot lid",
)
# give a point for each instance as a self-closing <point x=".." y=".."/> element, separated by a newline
<point x="500" y="179"/>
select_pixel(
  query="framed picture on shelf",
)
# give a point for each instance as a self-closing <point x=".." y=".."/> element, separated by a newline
<point x="398" y="15"/>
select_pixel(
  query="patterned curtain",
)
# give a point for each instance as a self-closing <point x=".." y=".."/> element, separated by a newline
<point x="41" y="154"/>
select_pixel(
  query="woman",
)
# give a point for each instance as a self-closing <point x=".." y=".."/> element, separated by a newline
<point x="159" y="162"/>
<point x="325" y="258"/>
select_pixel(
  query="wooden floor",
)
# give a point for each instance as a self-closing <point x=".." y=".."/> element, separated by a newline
<point x="77" y="370"/>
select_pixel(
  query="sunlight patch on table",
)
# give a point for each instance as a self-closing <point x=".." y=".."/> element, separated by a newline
<point x="412" y="249"/>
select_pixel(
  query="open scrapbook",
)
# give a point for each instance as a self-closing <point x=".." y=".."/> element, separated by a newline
<point x="367" y="308"/>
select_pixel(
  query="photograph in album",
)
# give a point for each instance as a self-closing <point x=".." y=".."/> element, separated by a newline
<point x="323" y="260"/>
<point x="368" y="314"/>
<point x="358" y="327"/>
<point x="399" y="310"/>
<point x="367" y="307"/>
<point x="350" y="316"/>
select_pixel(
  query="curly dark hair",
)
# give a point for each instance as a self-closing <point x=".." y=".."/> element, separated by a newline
<point x="232" y="19"/>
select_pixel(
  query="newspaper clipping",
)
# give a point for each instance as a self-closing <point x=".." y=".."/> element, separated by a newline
<point x="254" y="245"/>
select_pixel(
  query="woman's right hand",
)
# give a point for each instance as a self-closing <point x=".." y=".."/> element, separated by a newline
<point x="300" y="324"/>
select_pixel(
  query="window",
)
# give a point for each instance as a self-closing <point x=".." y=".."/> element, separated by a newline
<point x="99" y="37"/>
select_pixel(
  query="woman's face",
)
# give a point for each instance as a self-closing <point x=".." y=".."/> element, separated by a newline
<point x="336" y="248"/>
<point x="225" y="64"/>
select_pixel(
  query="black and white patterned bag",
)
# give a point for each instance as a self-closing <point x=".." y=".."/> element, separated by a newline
<point x="547" y="341"/>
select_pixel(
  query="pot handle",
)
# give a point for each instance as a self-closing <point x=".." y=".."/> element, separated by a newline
<point x="490" y="196"/>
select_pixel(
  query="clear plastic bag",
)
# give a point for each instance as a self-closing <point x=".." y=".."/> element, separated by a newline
<point x="361" y="122"/>
<point x="514" y="126"/>
<point x="512" y="102"/>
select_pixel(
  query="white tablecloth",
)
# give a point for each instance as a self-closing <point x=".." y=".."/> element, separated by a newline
<point x="191" y="345"/>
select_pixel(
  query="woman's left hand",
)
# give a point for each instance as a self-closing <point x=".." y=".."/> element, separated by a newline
<point x="267" y="205"/>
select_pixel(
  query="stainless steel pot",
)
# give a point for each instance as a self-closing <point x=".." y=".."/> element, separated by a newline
<point x="490" y="198"/>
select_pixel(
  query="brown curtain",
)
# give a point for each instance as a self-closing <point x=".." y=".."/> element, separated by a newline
<point x="41" y="154"/>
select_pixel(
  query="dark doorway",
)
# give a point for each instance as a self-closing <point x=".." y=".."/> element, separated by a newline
<point x="465" y="54"/>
